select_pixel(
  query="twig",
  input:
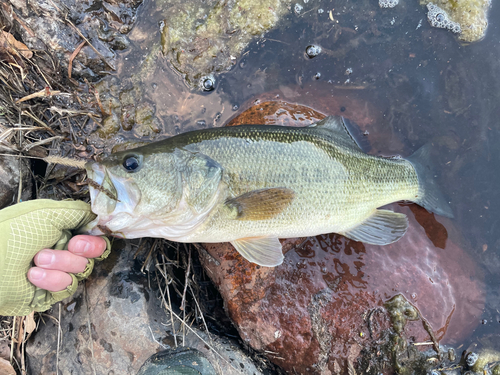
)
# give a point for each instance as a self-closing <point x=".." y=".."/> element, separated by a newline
<point x="423" y="343"/>
<point x="201" y="312"/>
<point x="186" y="281"/>
<point x="164" y="274"/>
<point x="42" y="142"/>
<point x="58" y="339"/>
<point x="73" y="55"/>
<point x="90" y="44"/>
<point x="20" y="186"/>
<point x="86" y="297"/>
<point x="196" y="334"/>
<point x="96" y="93"/>
<point x="155" y="340"/>
<point x="40" y="94"/>
<point x="26" y="113"/>
<point x="12" y="339"/>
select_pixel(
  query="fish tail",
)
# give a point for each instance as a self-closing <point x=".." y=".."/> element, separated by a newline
<point x="429" y="195"/>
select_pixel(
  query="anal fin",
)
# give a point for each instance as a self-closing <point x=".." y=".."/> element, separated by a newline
<point x="382" y="228"/>
<point x="264" y="251"/>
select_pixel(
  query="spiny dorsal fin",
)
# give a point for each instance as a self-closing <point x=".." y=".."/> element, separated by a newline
<point x="335" y="126"/>
<point x="264" y="251"/>
<point x="260" y="204"/>
<point x="382" y="228"/>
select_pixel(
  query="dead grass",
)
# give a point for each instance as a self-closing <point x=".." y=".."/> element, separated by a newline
<point x="41" y="113"/>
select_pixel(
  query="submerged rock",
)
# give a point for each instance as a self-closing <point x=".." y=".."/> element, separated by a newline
<point x="201" y="38"/>
<point x="335" y="301"/>
<point x="328" y="295"/>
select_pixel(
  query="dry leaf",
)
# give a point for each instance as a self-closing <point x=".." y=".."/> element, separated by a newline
<point x="9" y="46"/>
<point x="4" y="349"/>
<point x="6" y="368"/>
<point x="29" y="323"/>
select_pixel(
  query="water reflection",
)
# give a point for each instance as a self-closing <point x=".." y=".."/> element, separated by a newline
<point x="408" y="85"/>
<point x="432" y="271"/>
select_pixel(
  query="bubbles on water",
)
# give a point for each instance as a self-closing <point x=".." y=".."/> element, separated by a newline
<point x="439" y="18"/>
<point x="313" y="51"/>
<point x="207" y="83"/>
<point x="471" y="358"/>
<point x="388" y="3"/>
<point x="201" y="124"/>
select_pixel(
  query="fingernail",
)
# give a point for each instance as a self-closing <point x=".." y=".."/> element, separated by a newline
<point x="45" y="258"/>
<point x="81" y="247"/>
<point x="37" y="274"/>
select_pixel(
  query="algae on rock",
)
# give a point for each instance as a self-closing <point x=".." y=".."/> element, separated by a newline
<point x="204" y="38"/>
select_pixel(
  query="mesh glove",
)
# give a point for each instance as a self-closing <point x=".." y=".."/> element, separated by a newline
<point x="25" y="229"/>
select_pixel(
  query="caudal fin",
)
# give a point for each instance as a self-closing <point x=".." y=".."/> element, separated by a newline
<point x="429" y="194"/>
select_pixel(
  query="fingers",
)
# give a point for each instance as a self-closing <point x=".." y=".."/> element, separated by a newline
<point x="60" y="260"/>
<point x="51" y="280"/>
<point x="53" y="266"/>
<point x="87" y="246"/>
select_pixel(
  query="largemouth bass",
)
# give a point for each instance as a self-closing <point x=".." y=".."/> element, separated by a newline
<point x="250" y="185"/>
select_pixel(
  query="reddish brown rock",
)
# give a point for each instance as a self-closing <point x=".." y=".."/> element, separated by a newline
<point x="311" y="311"/>
<point x="325" y="303"/>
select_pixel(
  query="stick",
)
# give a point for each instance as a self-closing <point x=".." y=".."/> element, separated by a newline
<point x="72" y="57"/>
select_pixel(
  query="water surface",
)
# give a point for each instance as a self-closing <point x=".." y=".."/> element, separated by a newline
<point x="404" y="83"/>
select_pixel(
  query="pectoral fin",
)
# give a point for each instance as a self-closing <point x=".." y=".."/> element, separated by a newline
<point x="264" y="251"/>
<point x="260" y="204"/>
<point x="382" y="228"/>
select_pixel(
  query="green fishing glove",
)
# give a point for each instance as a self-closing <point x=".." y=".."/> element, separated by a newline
<point x="25" y="229"/>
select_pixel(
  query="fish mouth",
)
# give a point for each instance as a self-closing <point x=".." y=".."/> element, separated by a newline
<point x="113" y="199"/>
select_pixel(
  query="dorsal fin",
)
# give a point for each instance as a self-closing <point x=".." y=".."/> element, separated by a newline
<point x="337" y="128"/>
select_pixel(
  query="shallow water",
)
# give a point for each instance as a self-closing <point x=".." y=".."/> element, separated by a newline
<point x="402" y="82"/>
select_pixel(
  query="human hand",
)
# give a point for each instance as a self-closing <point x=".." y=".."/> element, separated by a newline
<point x="27" y="228"/>
<point x="53" y="266"/>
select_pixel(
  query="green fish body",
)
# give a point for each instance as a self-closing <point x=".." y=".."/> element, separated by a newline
<point x="250" y="185"/>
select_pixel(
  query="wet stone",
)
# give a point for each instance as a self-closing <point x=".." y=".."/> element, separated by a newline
<point x="9" y="181"/>
<point x="329" y="293"/>
<point x="58" y="28"/>
<point x="114" y="323"/>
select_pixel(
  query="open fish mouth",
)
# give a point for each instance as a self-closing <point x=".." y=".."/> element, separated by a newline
<point x="113" y="199"/>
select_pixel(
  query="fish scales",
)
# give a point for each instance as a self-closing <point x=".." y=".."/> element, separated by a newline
<point x="334" y="186"/>
<point x="252" y="184"/>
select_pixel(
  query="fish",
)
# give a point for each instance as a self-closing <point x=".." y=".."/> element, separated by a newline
<point x="251" y="185"/>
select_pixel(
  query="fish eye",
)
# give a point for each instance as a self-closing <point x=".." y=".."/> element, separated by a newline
<point x="131" y="163"/>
